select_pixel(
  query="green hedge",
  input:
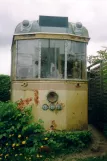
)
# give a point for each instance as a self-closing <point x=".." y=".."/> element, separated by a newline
<point x="4" y="88"/>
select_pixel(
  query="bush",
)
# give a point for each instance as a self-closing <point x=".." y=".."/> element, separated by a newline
<point x="23" y="139"/>
<point x="67" y="142"/>
<point x="4" y="88"/>
<point x="19" y="139"/>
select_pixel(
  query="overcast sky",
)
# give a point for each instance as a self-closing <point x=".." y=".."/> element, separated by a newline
<point x="92" y="14"/>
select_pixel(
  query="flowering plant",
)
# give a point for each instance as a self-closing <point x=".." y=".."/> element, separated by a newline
<point x="23" y="139"/>
<point x="19" y="136"/>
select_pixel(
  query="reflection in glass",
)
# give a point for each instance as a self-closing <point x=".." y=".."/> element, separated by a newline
<point x="76" y="60"/>
<point x="27" y="59"/>
<point x="52" y="59"/>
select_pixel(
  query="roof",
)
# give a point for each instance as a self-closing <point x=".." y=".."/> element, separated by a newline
<point x="52" y="24"/>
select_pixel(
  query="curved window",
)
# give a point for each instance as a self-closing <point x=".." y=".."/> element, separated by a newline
<point x="76" y="60"/>
<point x="50" y="59"/>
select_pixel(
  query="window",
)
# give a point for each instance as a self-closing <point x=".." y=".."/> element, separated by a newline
<point x="52" y="59"/>
<point x="76" y="59"/>
<point x="27" y="59"/>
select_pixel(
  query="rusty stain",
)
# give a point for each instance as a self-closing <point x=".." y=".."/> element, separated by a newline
<point x="53" y="125"/>
<point x="36" y="97"/>
<point x="78" y="85"/>
<point x="23" y="103"/>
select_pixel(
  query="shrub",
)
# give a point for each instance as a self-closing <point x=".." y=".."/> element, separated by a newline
<point x="19" y="139"/>
<point x="68" y="141"/>
<point x="4" y="88"/>
<point x="23" y="139"/>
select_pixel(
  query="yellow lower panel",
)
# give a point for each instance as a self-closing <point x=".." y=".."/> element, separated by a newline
<point x="74" y="99"/>
<point x="76" y="109"/>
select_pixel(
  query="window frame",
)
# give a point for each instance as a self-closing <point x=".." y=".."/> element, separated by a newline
<point x="39" y="67"/>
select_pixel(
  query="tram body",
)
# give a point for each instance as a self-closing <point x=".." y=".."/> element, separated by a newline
<point x="49" y="66"/>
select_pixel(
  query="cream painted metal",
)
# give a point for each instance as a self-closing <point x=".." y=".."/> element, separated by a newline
<point x="74" y="114"/>
<point x="72" y="92"/>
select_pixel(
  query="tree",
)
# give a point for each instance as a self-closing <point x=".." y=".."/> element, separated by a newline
<point x="101" y="55"/>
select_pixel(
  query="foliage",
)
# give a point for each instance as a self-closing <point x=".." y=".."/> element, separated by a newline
<point x="97" y="89"/>
<point x="23" y="139"/>
<point x="68" y="141"/>
<point x="4" y="88"/>
<point x="105" y="129"/>
<point x="19" y="139"/>
<point x="101" y="55"/>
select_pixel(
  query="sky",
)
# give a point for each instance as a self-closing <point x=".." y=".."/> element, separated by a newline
<point x="91" y="13"/>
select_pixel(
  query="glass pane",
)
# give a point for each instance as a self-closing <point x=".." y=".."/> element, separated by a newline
<point x="24" y="60"/>
<point x="27" y="59"/>
<point x="24" y="72"/>
<point x="79" y="47"/>
<point x="76" y="59"/>
<point x="28" y="46"/>
<point x="52" y="59"/>
<point x="44" y="58"/>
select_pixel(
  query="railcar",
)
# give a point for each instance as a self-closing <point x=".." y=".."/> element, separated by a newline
<point x="49" y="66"/>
